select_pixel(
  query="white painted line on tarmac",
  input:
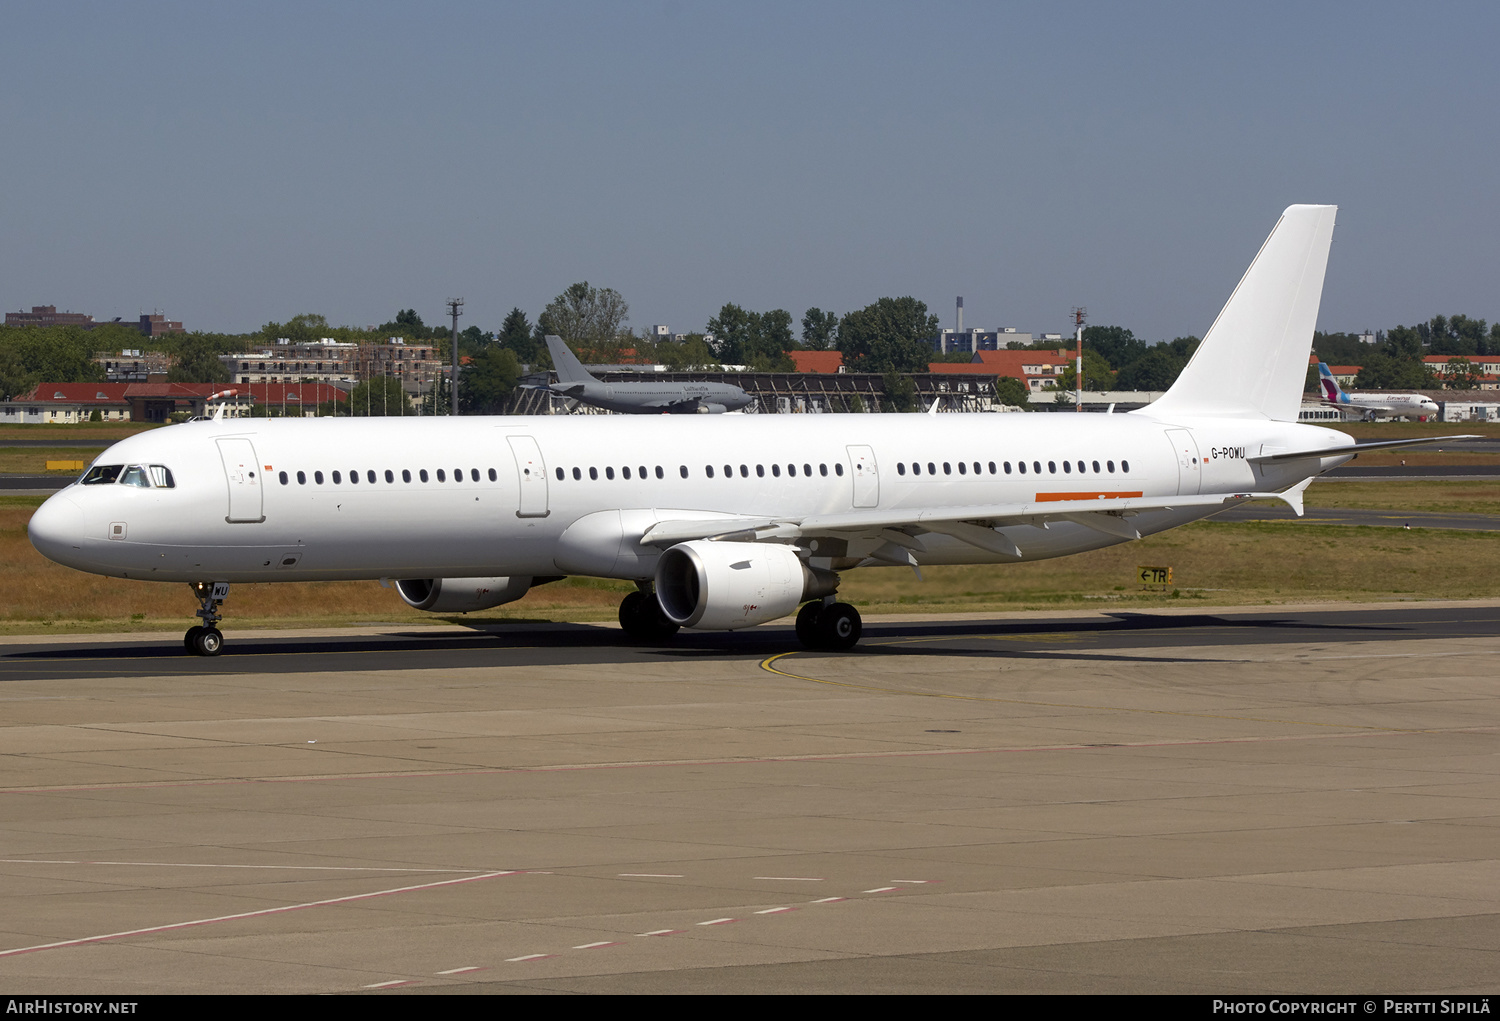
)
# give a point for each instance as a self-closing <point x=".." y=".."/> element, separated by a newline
<point x="774" y="911"/>
<point x="829" y="900"/>
<point x="661" y="932"/>
<point x="719" y="921"/>
<point x="211" y="865"/>
<point x="248" y="914"/>
<point x="791" y="879"/>
<point x="596" y="946"/>
<point x="388" y="985"/>
<point x="915" y="880"/>
<point x="529" y="957"/>
<point x="881" y="889"/>
<point x="460" y="971"/>
<point x="649" y="875"/>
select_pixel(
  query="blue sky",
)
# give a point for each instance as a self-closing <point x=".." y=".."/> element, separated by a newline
<point x="234" y="163"/>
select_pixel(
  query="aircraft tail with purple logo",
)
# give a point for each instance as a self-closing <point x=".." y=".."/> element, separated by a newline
<point x="1332" y="392"/>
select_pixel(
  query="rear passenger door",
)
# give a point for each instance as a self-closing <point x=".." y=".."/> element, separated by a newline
<point x="866" y="476"/>
<point x="531" y="476"/>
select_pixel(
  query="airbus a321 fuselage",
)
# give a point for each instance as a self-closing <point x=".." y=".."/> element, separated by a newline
<point x="724" y="521"/>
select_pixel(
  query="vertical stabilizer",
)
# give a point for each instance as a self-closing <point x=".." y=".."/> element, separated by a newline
<point x="1332" y="392"/>
<point x="569" y="368"/>
<point x="1253" y="361"/>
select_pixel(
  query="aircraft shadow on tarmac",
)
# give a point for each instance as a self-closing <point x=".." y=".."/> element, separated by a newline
<point x="561" y="644"/>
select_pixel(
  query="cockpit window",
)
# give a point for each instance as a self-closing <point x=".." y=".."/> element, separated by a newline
<point x="135" y="475"/>
<point x="102" y="475"/>
<point x="161" y="477"/>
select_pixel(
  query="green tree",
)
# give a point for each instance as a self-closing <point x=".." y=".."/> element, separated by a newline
<point x="589" y="318"/>
<point x="1461" y="374"/>
<point x="515" y="336"/>
<point x="1096" y="373"/>
<point x="485" y="384"/>
<point x="900" y="392"/>
<point x="731" y="330"/>
<point x="381" y="396"/>
<point x="1014" y="392"/>
<point x="1157" y="369"/>
<point x="820" y="329"/>
<point x="197" y="361"/>
<point x="692" y="353"/>
<point x="1387" y="372"/>
<point x="890" y="335"/>
<point x="45" y="354"/>
<point x="1117" y="345"/>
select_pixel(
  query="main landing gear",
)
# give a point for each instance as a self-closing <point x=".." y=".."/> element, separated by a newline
<point x="206" y="639"/>
<point x="642" y="619"/>
<point x="828" y="626"/>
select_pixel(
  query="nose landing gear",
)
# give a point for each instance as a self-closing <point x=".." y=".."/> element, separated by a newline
<point x="206" y="639"/>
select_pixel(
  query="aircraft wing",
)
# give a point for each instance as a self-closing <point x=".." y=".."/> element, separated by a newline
<point x="975" y="525"/>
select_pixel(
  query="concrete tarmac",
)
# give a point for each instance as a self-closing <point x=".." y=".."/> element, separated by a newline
<point x="1300" y="799"/>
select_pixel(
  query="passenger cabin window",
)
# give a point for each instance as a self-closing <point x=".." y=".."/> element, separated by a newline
<point x="283" y="477"/>
<point x="337" y="478"/>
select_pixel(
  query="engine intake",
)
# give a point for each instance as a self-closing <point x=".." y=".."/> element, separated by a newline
<point x="722" y="586"/>
<point x="460" y="595"/>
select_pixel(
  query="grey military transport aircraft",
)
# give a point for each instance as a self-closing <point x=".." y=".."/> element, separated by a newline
<point x="655" y="398"/>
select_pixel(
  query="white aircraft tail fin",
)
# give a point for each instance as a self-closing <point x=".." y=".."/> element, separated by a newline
<point x="1253" y="360"/>
<point x="569" y="368"/>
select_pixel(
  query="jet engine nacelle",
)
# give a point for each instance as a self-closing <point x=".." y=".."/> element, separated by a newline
<point x="721" y="586"/>
<point x="709" y="408"/>
<point x="461" y="595"/>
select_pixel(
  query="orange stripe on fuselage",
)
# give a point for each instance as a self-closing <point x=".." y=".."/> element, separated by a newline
<point x="1092" y="494"/>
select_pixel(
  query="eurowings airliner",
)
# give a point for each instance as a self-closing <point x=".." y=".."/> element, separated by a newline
<point x="723" y="522"/>
<point x="1374" y="405"/>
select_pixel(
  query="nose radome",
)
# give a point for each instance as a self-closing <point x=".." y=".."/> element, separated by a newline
<point x="56" y="529"/>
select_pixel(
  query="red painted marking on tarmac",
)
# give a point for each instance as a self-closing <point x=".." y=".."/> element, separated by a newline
<point x="247" y="914"/>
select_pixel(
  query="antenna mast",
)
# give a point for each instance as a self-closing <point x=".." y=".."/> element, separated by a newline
<point x="1080" y="315"/>
<point x="455" y="309"/>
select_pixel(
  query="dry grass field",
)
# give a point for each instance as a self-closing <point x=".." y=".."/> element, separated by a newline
<point x="1221" y="563"/>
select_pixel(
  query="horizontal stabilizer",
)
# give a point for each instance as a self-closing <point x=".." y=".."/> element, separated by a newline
<point x="1356" y="448"/>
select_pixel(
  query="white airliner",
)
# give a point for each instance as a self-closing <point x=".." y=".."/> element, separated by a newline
<point x="724" y="522"/>
<point x="1375" y="405"/>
